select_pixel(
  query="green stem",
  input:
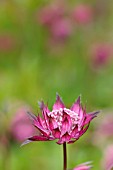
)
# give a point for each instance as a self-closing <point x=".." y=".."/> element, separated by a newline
<point x="65" y="156"/>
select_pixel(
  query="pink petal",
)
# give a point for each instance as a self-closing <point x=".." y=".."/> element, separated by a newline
<point x="81" y="115"/>
<point x="66" y="124"/>
<point x="37" y="138"/>
<point x="41" y="129"/>
<point x="60" y="142"/>
<point x="72" y="141"/>
<point x="26" y="142"/>
<point x="43" y="107"/>
<point x="56" y="133"/>
<point x="90" y="116"/>
<point x="32" y="116"/>
<point x="45" y="110"/>
<point x="52" y="123"/>
<point x="83" y="130"/>
<point x="41" y="122"/>
<point x="76" y="106"/>
<point x="40" y="138"/>
<point x="58" y="104"/>
<point x="84" y="166"/>
<point x="65" y="138"/>
<point x="74" y="132"/>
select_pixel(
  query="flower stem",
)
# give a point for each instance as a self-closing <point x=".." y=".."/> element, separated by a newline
<point x="65" y="156"/>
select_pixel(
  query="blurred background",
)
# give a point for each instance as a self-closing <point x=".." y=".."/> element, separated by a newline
<point x="49" y="46"/>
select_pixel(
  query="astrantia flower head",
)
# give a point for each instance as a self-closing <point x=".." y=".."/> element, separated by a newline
<point x="65" y="125"/>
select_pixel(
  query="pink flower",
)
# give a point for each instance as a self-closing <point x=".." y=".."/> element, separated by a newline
<point x="101" y="53"/>
<point x="61" y="29"/>
<point x="83" y="14"/>
<point x="56" y="20"/>
<point x="66" y="125"/>
<point x="103" y="130"/>
<point x="84" y="166"/>
<point x="21" y="126"/>
<point x="107" y="162"/>
<point x="49" y="14"/>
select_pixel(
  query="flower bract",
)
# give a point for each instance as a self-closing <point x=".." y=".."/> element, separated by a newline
<point x="84" y="166"/>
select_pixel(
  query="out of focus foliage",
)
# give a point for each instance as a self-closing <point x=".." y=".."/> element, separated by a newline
<point x="48" y="47"/>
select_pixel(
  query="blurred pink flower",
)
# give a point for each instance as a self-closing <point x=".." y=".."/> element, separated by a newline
<point x="66" y="125"/>
<point x="106" y="125"/>
<point x="104" y="130"/>
<point x="49" y="14"/>
<point x="84" y="166"/>
<point x="83" y="14"/>
<point x="107" y="161"/>
<point x="61" y="29"/>
<point x="21" y="126"/>
<point x="101" y="53"/>
<point x="56" y="20"/>
<point x="7" y="42"/>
